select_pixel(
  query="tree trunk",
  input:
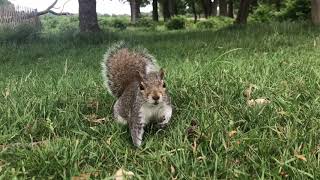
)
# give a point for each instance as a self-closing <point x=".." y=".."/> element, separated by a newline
<point x="88" y="20"/>
<point x="175" y="8"/>
<point x="155" y="15"/>
<point x="278" y="4"/>
<point x="243" y="12"/>
<point x="171" y="7"/>
<point x="214" y="7"/>
<point x="315" y="11"/>
<point x="223" y="8"/>
<point x="138" y="15"/>
<point x="230" y="8"/>
<point x="165" y="10"/>
<point x="135" y="10"/>
<point x="207" y="7"/>
<point x="193" y="6"/>
<point x="255" y="3"/>
<point x="204" y="7"/>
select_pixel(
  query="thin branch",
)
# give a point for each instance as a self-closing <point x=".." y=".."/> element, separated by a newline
<point x="60" y="14"/>
<point x="48" y="9"/>
<point x="64" y="5"/>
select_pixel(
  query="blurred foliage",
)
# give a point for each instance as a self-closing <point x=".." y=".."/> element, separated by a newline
<point x="290" y="10"/>
<point x="119" y="24"/>
<point x="19" y="33"/>
<point x="204" y="25"/>
<point x="176" y="23"/>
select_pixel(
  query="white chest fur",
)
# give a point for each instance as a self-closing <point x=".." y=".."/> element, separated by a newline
<point x="161" y="112"/>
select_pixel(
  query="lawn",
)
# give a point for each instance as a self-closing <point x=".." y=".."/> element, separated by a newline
<point x="56" y="118"/>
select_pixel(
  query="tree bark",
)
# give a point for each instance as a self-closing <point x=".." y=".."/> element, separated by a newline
<point x="230" y="8"/>
<point x="88" y="20"/>
<point x="47" y="10"/>
<point x="255" y="3"/>
<point x="315" y="12"/>
<point x="138" y="9"/>
<point x="207" y="7"/>
<point x="243" y="12"/>
<point x="193" y="6"/>
<point x="223" y="9"/>
<point x="171" y="7"/>
<point x="165" y="10"/>
<point x="214" y="7"/>
<point x="204" y="7"/>
<point x="135" y="10"/>
<point x="278" y="4"/>
<point x="155" y="15"/>
<point x="175" y="8"/>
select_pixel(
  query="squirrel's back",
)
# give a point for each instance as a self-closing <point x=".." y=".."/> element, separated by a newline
<point x="121" y="64"/>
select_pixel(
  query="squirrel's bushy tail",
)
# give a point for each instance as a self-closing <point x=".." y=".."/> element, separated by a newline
<point x="105" y="69"/>
<point x="120" y="66"/>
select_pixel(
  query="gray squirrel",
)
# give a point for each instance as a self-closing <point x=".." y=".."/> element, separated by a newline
<point x="134" y="78"/>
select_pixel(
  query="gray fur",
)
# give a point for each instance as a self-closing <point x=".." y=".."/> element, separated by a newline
<point x="120" y="66"/>
<point x="113" y="49"/>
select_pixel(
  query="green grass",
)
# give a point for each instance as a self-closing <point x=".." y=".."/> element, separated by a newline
<point x="50" y="86"/>
<point x="69" y="24"/>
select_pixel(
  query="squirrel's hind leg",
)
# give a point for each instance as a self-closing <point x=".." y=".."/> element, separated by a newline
<point x="116" y="114"/>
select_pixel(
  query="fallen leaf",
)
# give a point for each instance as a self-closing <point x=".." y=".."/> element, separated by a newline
<point x="236" y="161"/>
<point x="247" y="92"/>
<point x="232" y="133"/>
<point x="251" y="102"/>
<point x="94" y="104"/>
<point x="316" y="150"/>
<point x="282" y="113"/>
<point x="123" y="174"/>
<point x="283" y="174"/>
<point x="192" y="129"/>
<point x="6" y="93"/>
<point x="172" y="169"/>
<point x="193" y="122"/>
<point x="109" y="140"/>
<point x="194" y="146"/>
<point x="173" y="172"/>
<point x="93" y="118"/>
<point x="300" y="157"/>
<point x="81" y="177"/>
<point x="260" y="101"/>
<point x="201" y="158"/>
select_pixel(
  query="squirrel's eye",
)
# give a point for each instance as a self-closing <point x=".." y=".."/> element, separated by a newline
<point x="141" y="87"/>
<point x="164" y="85"/>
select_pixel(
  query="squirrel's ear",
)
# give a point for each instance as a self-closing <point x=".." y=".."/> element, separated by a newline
<point x="161" y="73"/>
<point x="139" y="76"/>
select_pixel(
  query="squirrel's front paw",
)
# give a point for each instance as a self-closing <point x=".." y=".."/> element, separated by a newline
<point x="162" y="125"/>
<point x="137" y="143"/>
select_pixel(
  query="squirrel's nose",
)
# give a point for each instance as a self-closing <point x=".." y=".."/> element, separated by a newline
<point x="155" y="98"/>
